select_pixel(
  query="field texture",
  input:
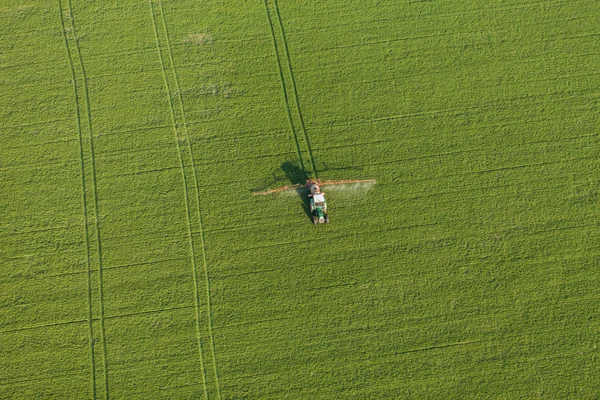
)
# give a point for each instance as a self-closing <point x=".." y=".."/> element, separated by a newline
<point x="136" y="264"/>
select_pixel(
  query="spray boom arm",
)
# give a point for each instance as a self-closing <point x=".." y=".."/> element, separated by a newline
<point x="318" y="182"/>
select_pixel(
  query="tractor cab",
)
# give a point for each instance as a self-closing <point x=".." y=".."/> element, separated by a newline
<point x="318" y="201"/>
<point x="318" y="207"/>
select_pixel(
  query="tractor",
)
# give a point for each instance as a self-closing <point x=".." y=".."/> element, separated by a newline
<point x="318" y="204"/>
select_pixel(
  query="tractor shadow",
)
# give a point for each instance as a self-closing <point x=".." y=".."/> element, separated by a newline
<point x="298" y="176"/>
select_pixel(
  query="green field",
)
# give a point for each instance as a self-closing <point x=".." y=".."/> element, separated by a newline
<point x="135" y="263"/>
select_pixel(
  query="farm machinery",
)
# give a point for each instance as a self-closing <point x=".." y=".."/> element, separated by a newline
<point x="317" y="202"/>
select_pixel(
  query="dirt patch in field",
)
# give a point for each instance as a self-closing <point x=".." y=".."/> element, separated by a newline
<point x="198" y="39"/>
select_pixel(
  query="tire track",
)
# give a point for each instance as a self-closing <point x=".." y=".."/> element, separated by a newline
<point x="340" y="236"/>
<point x="34" y="231"/>
<point x="151" y="151"/>
<point x="197" y="191"/>
<point x="81" y="321"/>
<point x="294" y="89"/>
<point x="69" y="375"/>
<point x="123" y="266"/>
<point x="434" y="321"/>
<point x="84" y="201"/>
<point x="30" y="124"/>
<point x="94" y="195"/>
<point x="385" y="230"/>
<point x="30" y="145"/>
<point x="483" y="151"/>
<point x="496" y="105"/>
<point x="549" y="141"/>
<point x="147" y="312"/>
<point x="187" y="201"/>
<point x="28" y="167"/>
<point x="34" y="327"/>
<point x="413" y="196"/>
<point x="374" y="257"/>
<point x="283" y="88"/>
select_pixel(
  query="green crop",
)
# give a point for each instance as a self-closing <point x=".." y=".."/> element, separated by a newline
<point x="136" y="263"/>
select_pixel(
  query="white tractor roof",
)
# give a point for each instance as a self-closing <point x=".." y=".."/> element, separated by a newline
<point x="319" y="198"/>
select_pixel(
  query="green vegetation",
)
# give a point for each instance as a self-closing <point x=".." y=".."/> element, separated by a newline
<point x="136" y="264"/>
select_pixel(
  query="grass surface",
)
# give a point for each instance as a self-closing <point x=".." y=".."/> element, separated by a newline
<point x="135" y="263"/>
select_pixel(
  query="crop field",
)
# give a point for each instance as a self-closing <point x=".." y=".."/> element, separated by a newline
<point x="135" y="262"/>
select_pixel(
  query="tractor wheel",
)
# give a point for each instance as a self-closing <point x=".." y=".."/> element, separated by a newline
<point x="327" y="219"/>
<point x="315" y="219"/>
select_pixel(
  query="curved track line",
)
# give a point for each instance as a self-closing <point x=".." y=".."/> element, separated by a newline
<point x="84" y="201"/>
<point x="34" y="327"/>
<point x="294" y="89"/>
<point x="283" y="88"/>
<point x="187" y="201"/>
<point x="95" y="198"/>
<point x="197" y="190"/>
